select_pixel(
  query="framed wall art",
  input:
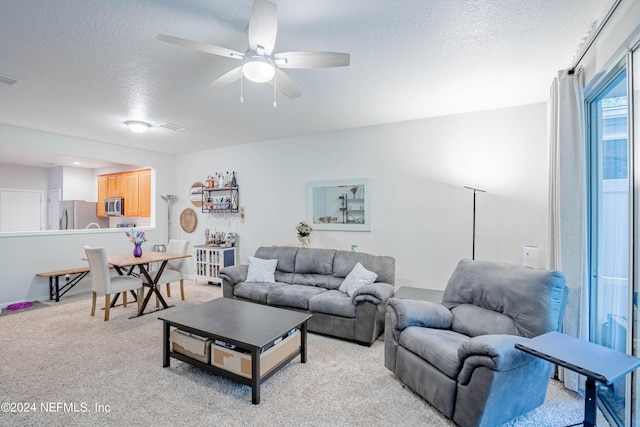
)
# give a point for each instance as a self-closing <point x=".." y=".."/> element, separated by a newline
<point x="339" y="204"/>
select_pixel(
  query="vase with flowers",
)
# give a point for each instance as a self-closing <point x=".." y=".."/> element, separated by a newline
<point x="304" y="231"/>
<point x="137" y="238"/>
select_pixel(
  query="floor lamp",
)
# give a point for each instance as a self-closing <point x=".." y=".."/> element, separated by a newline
<point x="168" y="198"/>
<point x="473" y="241"/>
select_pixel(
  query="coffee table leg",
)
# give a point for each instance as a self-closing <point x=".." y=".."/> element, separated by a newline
<point x="165" y="344"/>
<point x="303" y="343"/>
<point x="255" y="376"/>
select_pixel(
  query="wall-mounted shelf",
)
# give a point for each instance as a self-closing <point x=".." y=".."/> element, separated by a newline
<point x="220" y="199"/>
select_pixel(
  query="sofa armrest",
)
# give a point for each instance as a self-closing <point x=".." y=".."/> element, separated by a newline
<point x="496" y="352"/>
<point x="426" y="314"/>
<point x="377" y="293"/>
<point x="234" y="274"/>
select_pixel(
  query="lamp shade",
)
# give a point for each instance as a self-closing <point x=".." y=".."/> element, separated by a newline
<point x="258" y="70"/>
<point x="137" y="127"/>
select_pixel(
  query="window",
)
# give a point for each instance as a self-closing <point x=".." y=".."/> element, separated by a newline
<point x="610" y="230"/>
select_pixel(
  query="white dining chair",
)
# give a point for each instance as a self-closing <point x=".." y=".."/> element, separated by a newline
<point x="104" y="284"/>
<point x="176" y="269"/>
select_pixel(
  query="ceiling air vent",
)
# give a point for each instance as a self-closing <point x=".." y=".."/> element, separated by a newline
<point x="9" y="81"/>
<point x="172" y="126"/>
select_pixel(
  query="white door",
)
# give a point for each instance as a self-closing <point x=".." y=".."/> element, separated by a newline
<point x="54" y="209"/>
<point x="20" y="210"/>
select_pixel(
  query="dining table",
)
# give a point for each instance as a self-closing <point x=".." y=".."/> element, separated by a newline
<point x="125" y="264"/>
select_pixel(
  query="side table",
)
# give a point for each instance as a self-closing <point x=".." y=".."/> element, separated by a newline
<point x="594" y="361"/>
<point x="423" y="294"/>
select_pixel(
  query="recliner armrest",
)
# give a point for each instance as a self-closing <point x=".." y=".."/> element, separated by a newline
<point x="377" y="293"/>
<point x="496" y="352"/>
<point x="426" y="314"/>
<point x="234" y="274"/>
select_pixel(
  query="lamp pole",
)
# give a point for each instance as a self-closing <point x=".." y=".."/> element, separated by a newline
<point x="473" y="240"/>
<point x="168" y="198"/>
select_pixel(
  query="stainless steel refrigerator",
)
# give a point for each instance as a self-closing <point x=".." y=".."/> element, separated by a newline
<point x="78" y="214"/>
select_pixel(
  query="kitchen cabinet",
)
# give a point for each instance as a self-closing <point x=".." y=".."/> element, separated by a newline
<point x="131" y="204"/>
<point x="116" y="185"/>
<point x="103" y="193"/>
<point x="144" y="193"/>
<point x="133" y="186"/>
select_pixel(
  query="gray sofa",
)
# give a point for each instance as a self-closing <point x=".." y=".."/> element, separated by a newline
<point x="309" y="279"/>
<point x="459" y="355"/>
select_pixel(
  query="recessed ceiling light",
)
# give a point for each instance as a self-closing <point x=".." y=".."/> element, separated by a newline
<point x="76" y="163"/>
<point x="137" y="127"/>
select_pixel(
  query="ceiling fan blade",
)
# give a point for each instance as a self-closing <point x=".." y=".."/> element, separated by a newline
<point x="227" y="78"/>
<point x="311" y="59"/>
<point x="263" y="26"/>
<point x="285" y="85"/>
<point x="202" y="47"/>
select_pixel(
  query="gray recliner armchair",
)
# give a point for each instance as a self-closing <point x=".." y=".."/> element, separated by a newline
<point x="459" y="355"/>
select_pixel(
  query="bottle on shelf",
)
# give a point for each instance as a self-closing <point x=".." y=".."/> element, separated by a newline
<point x="234" y="180"/>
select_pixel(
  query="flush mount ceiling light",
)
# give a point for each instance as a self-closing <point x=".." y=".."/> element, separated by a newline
<point x="137" y="127"/>
<point x="259" y="70"/>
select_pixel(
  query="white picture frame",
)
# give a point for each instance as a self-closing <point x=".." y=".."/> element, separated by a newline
<point x="340" y="205"/>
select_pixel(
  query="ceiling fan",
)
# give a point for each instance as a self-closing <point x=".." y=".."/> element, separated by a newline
<point x="259" y="63"/>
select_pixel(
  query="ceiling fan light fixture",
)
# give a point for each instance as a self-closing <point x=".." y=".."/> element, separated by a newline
<point x="258" y="70"/>
<point x="137" y="126"/>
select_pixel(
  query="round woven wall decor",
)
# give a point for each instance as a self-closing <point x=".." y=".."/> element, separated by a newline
<point x="188" y="220"/>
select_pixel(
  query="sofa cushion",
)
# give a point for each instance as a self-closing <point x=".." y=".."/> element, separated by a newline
<point x="294" y="296"/>
<point x="285" y="255"/>
<point x="383" y="266"/>
<point x="255" y="291"/>
<point x="533" y="298"/>
<point x="323" y="280"/>
<point x="474" y="321"/>
<point x="333" y="302"/>
<point x="318" y="261"/>
<point x="423" y="342"/>
<point x="357" y="278"/>
<point x="261" y="270"/>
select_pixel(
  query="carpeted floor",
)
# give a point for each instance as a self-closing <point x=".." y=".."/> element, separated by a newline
<point x="70" y="369"/>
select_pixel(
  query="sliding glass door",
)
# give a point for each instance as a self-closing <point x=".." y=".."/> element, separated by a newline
<point x="611" y="230"/>
<point x="634" y="71"/>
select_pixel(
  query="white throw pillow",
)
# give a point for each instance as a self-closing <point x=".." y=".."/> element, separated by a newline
<point x="261" y="270"/>
<point x="358" y="278"/>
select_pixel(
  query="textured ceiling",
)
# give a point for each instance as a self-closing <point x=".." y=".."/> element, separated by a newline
<point x="88" y="65"/>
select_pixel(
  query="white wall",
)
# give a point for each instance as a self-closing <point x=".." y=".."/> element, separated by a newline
<point x="421" y="214"/>
<point x="14" y="177"/>
<point x="79" y="184"/>
<point x="619" y="34"/>
<point x="25" y="254"/>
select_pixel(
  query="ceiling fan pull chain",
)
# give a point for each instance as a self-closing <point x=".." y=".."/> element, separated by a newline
<point x="241" y="80"/>
<point x="275" y="82"/>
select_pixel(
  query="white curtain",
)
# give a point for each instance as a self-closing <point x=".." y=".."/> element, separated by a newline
<point x="567" y="201"/>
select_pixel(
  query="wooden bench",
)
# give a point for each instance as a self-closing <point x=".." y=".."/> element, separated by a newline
<point x="54" y="280"/>
<point x="55" y="291"/>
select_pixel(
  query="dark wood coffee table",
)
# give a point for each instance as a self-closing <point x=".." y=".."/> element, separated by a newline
<point x="247" y="325"/>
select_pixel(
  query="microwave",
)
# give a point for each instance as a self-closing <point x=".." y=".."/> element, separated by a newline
<point x="114" y="206"/>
